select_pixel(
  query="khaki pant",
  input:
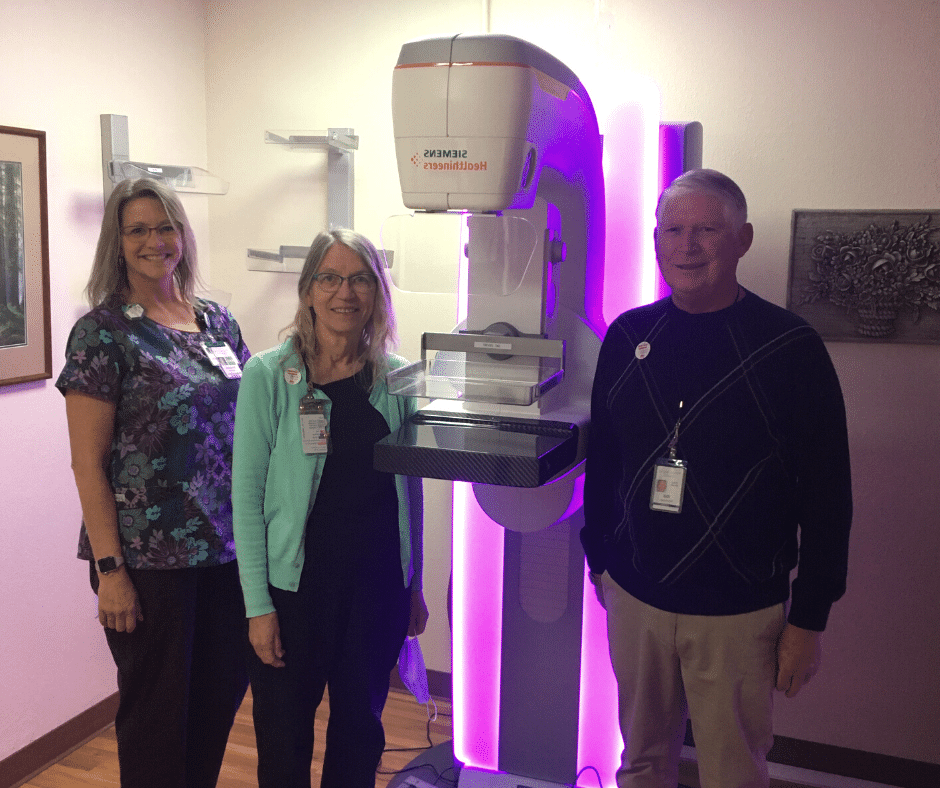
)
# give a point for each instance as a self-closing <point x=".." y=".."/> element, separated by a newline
<point x="720" y="670"/>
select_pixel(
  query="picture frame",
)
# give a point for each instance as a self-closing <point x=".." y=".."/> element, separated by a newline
<point x="25" y="325"/>
<point x="867" y="275"/>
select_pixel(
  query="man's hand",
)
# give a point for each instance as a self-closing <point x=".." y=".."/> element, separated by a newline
<point x="799" y="652"/>
<point x="597" y="582"/>
<point x="264" y="632"/>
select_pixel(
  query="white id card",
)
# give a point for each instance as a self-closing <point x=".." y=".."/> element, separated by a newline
<point x="314" y="428"/>
<point x="668" y="485"/>
<point x="222" y="356"/>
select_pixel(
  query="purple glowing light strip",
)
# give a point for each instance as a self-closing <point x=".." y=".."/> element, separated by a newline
<point x="629" y="280"/>
<point x="631" y="166"/>
<point x="631" y="178"/>
<point x="477" y="635"/>
<point x="599" y="739"/>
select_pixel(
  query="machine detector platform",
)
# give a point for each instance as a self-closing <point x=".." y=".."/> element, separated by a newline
<point x="478" y="448"/>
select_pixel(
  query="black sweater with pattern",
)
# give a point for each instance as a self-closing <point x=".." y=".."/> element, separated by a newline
<point x="763" y="433"/>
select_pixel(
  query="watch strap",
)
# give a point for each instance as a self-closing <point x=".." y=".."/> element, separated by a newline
<point x="109" y="564"/>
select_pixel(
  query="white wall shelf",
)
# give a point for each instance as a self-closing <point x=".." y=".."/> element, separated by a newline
<point x="341" y="144"/>
<point x="117" y="166"/>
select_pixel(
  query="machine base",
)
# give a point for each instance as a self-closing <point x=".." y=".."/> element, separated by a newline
<point x="475" y="778"/>
<point x="424" y="772"/>
<point x="434" y="766"/>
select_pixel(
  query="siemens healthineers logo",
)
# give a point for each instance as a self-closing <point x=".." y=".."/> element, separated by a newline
<point x="450" y="160"/>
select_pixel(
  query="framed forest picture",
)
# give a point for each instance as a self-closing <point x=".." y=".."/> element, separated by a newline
<point x="25" y="346"/>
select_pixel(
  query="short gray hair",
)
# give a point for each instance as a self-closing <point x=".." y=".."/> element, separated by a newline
<point x="709" y="182"/>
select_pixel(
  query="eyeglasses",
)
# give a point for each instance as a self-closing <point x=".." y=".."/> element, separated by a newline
<point x="141" y="232"/>
<point x="362" y="283"/>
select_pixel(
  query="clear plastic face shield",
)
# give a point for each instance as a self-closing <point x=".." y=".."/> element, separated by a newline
<point x="432" y="252"/>
<point x="493" y="263"/>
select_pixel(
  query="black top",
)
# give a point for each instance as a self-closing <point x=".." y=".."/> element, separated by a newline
<point x="764" y="435"/>
<point x="355" y="515"/>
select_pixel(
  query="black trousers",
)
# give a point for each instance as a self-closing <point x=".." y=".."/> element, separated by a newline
<point x="182" y="674"/>
<point x="344" y="632"/>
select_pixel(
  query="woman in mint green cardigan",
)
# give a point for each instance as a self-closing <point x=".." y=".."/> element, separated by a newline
<point x="329" y="549"/>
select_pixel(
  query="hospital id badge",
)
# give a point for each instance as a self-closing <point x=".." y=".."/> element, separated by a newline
<point x="222" y="356"/>
<point x="314" y="427"/>
<point x="668" y="485"/>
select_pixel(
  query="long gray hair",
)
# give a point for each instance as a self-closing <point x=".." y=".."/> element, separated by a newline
<point x="108" y="276"/>
<point x="378" y="336"/>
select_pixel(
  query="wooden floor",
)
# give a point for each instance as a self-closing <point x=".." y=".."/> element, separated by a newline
<point x="406" y="725"/>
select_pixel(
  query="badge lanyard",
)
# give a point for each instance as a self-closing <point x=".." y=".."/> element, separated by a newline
<point x="314" y="426"/>
<point x="222" y="356"/>
<point x="669" y="477"/>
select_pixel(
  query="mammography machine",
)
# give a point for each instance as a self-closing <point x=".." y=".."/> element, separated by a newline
<point x="496" y="128"/>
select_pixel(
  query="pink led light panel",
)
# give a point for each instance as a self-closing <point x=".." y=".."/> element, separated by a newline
<point x="477" y="631"/>
<point x="631" y="166"/>
<point x="631" y="178"/>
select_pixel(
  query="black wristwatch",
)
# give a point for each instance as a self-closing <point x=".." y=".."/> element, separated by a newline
<point x="109" y="564"/>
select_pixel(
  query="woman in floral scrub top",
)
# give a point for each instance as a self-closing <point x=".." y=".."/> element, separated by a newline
<point x="150" y="381"/>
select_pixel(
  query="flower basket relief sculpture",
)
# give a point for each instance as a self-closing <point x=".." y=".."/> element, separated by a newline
<point x="876" y="273"/>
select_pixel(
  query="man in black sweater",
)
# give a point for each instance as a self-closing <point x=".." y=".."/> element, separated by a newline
<point x="717" y="463"/>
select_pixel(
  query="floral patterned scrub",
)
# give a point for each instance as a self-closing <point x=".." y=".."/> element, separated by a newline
<point x="182" y="672"/>
<point x="171" y="457"/>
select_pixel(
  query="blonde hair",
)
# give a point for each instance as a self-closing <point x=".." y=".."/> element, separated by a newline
<point x="108" y="277"/>
<point x="378" y="336"/>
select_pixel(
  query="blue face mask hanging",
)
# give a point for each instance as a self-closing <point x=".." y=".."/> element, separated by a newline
<point x="413" y="673"/>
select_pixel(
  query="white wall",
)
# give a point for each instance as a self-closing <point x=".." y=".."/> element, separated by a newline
<point x="61" y="66"/>
<point x="807" y="104"/>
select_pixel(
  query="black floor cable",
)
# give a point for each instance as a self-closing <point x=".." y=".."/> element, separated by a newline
<point x="437" y="775"/>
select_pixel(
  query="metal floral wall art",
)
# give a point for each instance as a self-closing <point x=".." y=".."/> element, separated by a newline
<point x="867" y="276"/>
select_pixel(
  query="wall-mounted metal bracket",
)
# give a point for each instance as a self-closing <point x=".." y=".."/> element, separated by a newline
<point x="341" y="144"/>
<point x="117" y="166"/>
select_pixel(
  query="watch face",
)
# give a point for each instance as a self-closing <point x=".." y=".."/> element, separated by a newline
<point x="108" y="564"/>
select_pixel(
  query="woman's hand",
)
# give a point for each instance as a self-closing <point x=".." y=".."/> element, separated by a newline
<point x="418" y="618"/>
<point x="264" y="632"/>
<point x="118" y="605"/>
